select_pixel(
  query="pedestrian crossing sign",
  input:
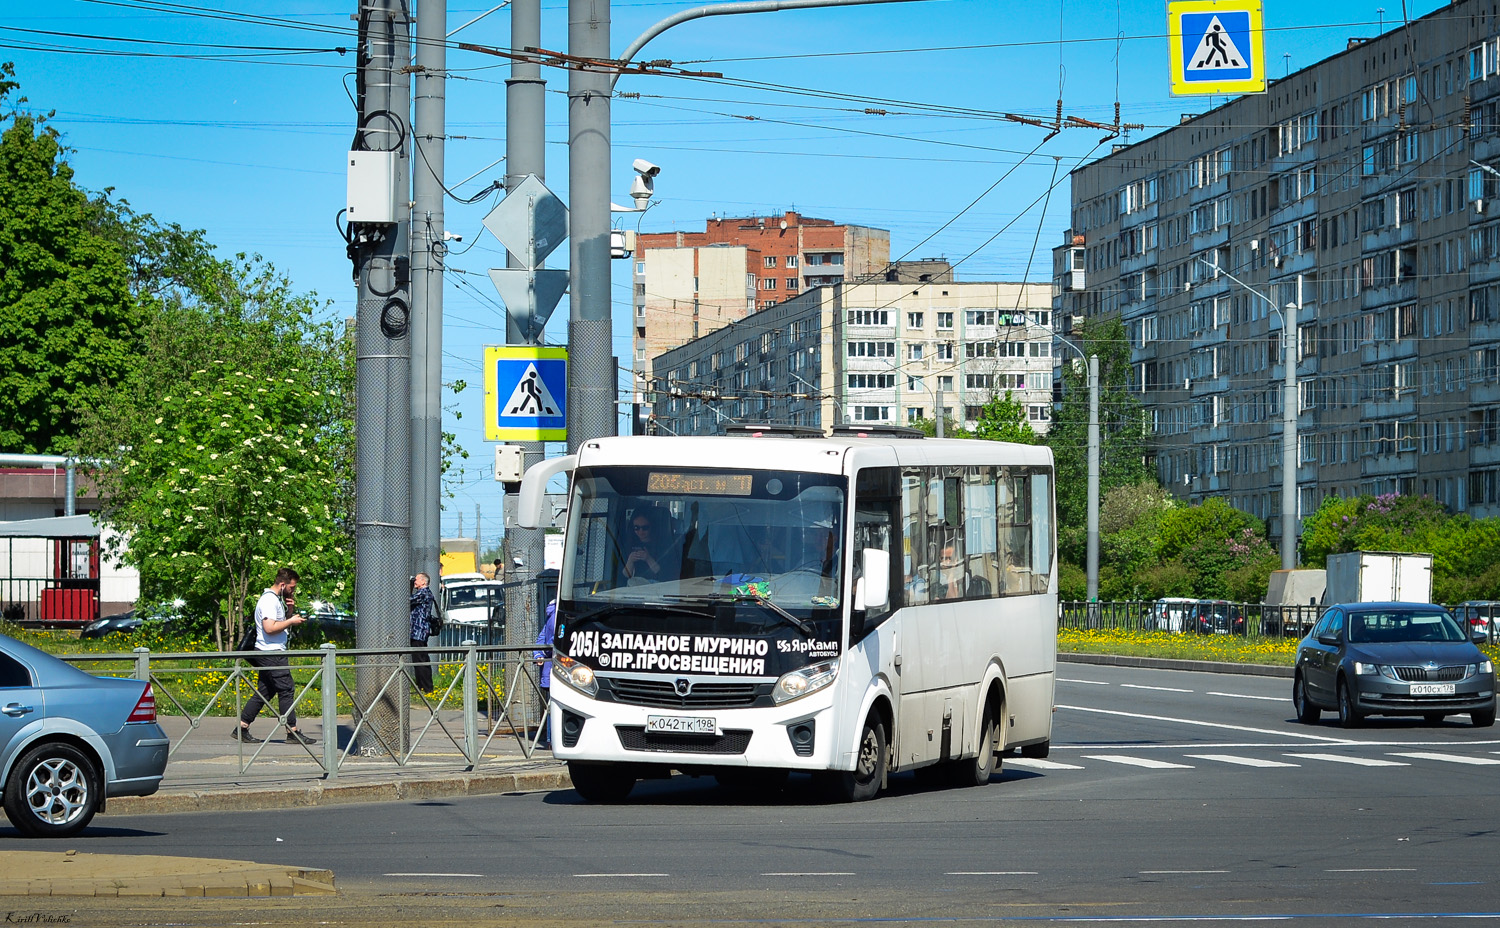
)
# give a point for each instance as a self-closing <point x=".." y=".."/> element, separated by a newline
<point x="525" y="393"/>
<point x="1217" y="46"/>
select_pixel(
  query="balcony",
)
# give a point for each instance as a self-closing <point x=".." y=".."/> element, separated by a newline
<point x="1386" y="465"/>
<point x="1388" y="350"/>
<point x="1388" y="407"/>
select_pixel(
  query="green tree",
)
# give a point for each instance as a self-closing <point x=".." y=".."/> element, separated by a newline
<point x="228" y="450"/>
<point x="1130" y="519"/>
<point x="1122" y="431"/>
<point x="1003" y="418"/>
<point x="68" y="321"/>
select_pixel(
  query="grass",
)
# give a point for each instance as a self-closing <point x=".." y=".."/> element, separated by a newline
<point x="1233" y="649"/>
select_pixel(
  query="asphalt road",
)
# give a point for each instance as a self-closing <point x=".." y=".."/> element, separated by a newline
<point x="1167" y="796"/>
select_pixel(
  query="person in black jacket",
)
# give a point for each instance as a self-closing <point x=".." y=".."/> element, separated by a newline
<point x="423" y="605"/>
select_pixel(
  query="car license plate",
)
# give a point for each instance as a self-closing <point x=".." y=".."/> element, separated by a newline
<point x="1432" y="689"/>
<point x="681" y="725"/>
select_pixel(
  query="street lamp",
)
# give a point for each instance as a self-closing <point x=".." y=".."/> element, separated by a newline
<point x="1093" y="488"/>
<point x="1288" y="413"/>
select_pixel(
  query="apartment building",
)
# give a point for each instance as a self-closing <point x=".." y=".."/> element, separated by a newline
<point x="688" y="284"/>
<point x="877" y="352"/>
<point x="1355" y="199"/>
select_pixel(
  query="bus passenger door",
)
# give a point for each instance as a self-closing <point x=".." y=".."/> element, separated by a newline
<point x="879" y="635"/>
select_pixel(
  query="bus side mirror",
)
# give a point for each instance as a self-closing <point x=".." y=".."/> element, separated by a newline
<point x="534" y="489"/>
<point x="874" y="588"/>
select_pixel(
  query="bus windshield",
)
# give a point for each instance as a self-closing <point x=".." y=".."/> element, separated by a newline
<point x="643" y="534"/>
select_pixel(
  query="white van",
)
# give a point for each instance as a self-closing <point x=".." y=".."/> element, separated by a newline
<point x="1170" y="614"/>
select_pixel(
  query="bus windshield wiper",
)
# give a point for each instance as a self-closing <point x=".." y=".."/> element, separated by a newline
<point x="611" y="608"/>
<point x="787" y="617"/>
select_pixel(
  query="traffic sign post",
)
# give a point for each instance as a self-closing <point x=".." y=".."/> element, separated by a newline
<point x="525" y="393"/>
<point x="1216" y="46"/>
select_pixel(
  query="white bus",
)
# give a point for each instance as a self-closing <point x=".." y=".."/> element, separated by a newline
<point x="750" y="606"/>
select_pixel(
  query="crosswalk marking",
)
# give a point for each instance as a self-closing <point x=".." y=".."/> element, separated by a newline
<point x="1357" y="761"/>
<point x="1242" y="761"/>
<point x="1137" y="762"/>
<point x="1449" y="758"/>
<point x="1038" y="764"/>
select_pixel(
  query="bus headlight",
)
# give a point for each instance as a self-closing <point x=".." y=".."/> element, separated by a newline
<point x="809" y="679"/>
<point x="579" y="676"/>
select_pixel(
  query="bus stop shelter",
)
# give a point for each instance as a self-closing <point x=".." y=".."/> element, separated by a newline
<point x="50" y="571"/>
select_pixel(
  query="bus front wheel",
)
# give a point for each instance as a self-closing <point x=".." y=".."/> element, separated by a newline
<point x="600" y="782"/>
<point x="865" y="780"/>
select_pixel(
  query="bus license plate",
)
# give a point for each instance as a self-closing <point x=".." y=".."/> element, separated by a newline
<point x="681" y="725"/>
<point x="1432" y="689"/>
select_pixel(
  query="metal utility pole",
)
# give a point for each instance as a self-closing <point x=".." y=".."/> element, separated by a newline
<point x="591" y="373"/>
<point x="941" y="421"/>
<point x="427" y="251"/>
<point x="1289" y="404"/>
<point x="1093" y="487"/>
<point x="378" y="245"/>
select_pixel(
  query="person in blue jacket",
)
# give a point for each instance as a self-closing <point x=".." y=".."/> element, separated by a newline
<point x="544" y="657"/>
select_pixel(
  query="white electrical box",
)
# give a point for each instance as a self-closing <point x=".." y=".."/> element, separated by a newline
<point x="372" y="187"/>
<point x="510" y="463"/>
<point x="621" y="243"/>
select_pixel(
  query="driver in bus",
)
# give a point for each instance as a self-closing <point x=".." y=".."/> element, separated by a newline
<point x="650" y="543"/>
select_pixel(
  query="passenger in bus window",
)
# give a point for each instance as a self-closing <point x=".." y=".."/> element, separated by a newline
<point x="650" y="544"/>
<point x="951" y="574"/>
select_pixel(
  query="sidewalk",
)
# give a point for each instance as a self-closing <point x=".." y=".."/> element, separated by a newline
<point x="69" y="873"/>
<point x="212" y="772"/>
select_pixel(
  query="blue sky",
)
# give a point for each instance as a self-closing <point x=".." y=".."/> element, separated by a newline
<point x="251" y="149"/>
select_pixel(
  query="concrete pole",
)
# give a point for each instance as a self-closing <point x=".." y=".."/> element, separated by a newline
<point x="1093" y="487"/>
<point x="525" y="153"/>
<point x="591" y="384"/>
<point x="382" y="529"/>
<point x="428" y="134"/>
<point x="1289" y="405"/>
<point x="939" y="418"/>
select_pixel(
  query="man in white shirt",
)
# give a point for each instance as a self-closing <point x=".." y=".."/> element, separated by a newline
<point x="271" y="624"/>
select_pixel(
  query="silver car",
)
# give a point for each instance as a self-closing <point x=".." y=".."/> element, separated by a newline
<point x="69" y="740"/>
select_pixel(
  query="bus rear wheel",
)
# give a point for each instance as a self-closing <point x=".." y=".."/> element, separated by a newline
<point x="600" y="782"/>
<point x="868" y="775"/>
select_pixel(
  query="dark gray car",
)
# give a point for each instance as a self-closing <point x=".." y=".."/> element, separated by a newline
<point x="1392" y="659"/>
<point x="68" y="741"/>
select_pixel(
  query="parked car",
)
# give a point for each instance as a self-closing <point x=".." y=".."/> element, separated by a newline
<point x="1216" y="617"/>
<point x="1481" y="617"/>
<point x="474" y="602"/>
<point x="1392" y="659"/>
<point x="130" y="621"/>
<point x="1170" y="614"/>
<point x="69" y="740"/>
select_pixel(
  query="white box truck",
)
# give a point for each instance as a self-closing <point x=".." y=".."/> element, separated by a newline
<point x="1378" y="576"/>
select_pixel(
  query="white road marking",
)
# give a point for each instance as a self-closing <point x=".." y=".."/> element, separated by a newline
<point x="991" y="873"/>
<point x="1039" y="764"/>
<point x="1165" y="718"/>
<point x="1248" y="696"/>
<point x="475" y="876"/>
<point x="1450" y="758"/>
<point x="597" y="875"/>
<point x="1089" y="682"/>
<point x="1242" y="761"/>
<point x="1184" y="871"/>
<point x="1357" y="761"/>
<point x="1375" y="870"/>
<point x="1137" y="762"/>
<point x="814" y="873"/>
<point x="1142" y="686"/>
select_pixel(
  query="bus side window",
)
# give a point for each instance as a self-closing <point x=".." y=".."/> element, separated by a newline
<point x="877" y="513"/>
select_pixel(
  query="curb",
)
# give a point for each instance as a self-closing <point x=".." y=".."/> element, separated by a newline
<point x="41" y="873"/>
<point x="256" y="798"/>
<point x="1162" y="663"/>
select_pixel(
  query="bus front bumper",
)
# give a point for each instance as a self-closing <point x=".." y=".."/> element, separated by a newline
<point x="797" y="735"/>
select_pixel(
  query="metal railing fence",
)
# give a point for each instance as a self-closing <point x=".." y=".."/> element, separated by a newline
<point x="1209" y="617"/>
<point x="195" y="689"/>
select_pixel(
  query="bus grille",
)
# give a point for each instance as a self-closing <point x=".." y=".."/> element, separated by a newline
<point x="661" y="694"/>
<point x="1424" y="674"/>
<point x="635" y="738"/>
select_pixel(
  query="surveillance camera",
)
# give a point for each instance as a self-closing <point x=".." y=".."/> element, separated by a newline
<point x="641" y="189"/>
<point x="645" y="168"/>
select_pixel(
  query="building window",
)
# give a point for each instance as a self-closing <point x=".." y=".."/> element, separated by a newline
<point x="768" y="283"/>
<point x="945" y="351"/>
<point x="978" y="381"/>
<point x="791" y="283"/>
<point x="945" y="383"/>
<point x="869" y="317"/>
<point x="972" y="413"/>
<point x="767" y="304"/>
<point x="914" y="320"/>
<point x="871" y="413"/>
<point x="814" y="260"/>
<point x="945" y="320"/>
<point x="913" y="413"/>
<point x="791" y="260"/>
<point x="872" y="381"/>
<point x="979" y="317"/>
<point x="872" y="349"/>
<point x="770" y="261"/>
<point x="914" y="352"/>
<point x="1039" y="413"/>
